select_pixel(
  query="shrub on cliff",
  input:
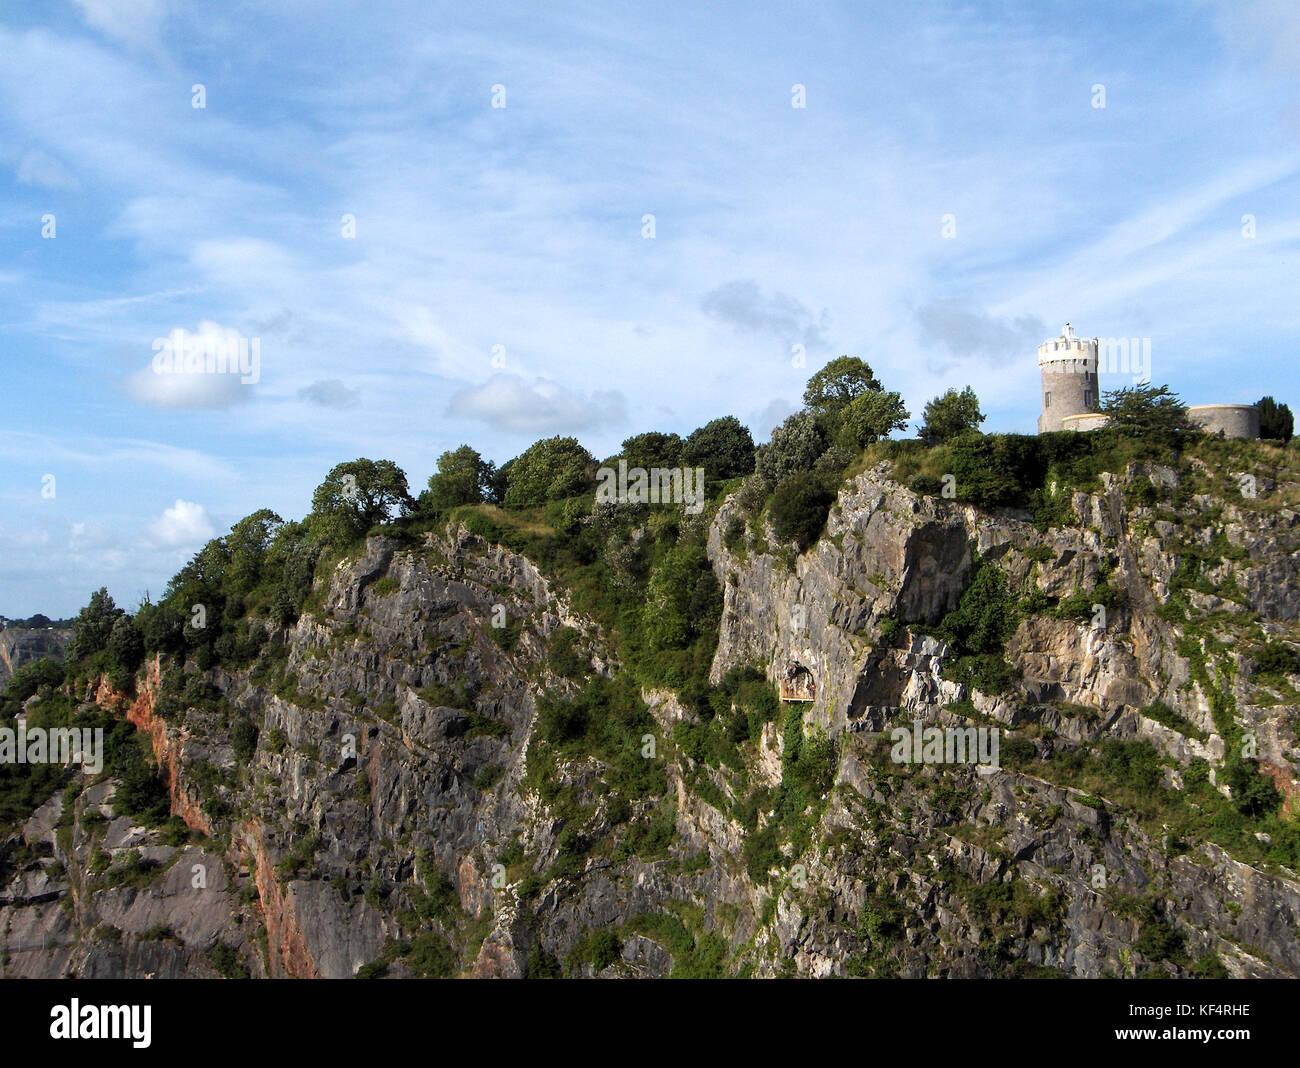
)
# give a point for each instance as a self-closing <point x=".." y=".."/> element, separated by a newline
<point x="799" y="508"/>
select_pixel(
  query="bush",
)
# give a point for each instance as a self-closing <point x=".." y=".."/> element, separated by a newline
<point x="799" y="508"/>
<point x="681" y="599"/>
<point x="1253" y="794"/>
<point x="1277" y="660"/>
<point x="795" y="446"/>
<point x="244" y="739"/>
<point x="606" y="949"/>
<point x="430" y="957"/>
<point x="226" y="962"/>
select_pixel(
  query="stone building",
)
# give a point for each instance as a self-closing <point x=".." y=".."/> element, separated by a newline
<point x="1072" y="401"/>
<point x="1068" y="366"/>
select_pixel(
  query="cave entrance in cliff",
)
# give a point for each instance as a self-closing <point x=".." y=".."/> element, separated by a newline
<point x="797" y="684"/>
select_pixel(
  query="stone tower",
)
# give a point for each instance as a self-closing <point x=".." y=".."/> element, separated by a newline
<point x="1068" y="365"/>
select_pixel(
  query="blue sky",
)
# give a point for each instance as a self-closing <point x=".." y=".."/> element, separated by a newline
<point x="521" y="227"/>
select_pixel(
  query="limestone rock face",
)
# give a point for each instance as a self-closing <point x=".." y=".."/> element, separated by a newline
<point x="388" y="820"/>
<point x="19" y="646"/>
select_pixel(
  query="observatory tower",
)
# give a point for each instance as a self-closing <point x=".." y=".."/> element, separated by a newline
<point x="1068" y="365"/>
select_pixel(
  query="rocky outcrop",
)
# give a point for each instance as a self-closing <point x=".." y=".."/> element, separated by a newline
<point x="366" y="797"/>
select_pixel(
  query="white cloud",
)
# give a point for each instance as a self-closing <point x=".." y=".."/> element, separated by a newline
<point x="36" y="168"/>
<point x="182" y="525"/>
<point x="136" y="23"/>
<point x="507" y="402"/>
<point x="213" y="367"/>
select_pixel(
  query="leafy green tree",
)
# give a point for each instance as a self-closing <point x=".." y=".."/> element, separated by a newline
<point x="724" y="447"/>
<point x="548" y="470"/>
<point x="1147" y="411"/>
<point x="246" y="546"/>
<point x="871" y="416"/>
<point x="795" y="446"/>
<point x="1253" y="794"/>
<point x="126" y="644"/>
<point x="93" y="625"/>
<point x="834" y="387"/>
<point x="985" y="616"/>
<point x="799" y="508"/>
<point x="652" y="449"/>
<point x="463" y="477"/>
<point x="666" y="616"/>
<point x="354" y="497"/>
<point x="1275" y="420"/>
<point x="162" y="627"/>
<point x="291" y="558"/>
<point x="950" y="415"/>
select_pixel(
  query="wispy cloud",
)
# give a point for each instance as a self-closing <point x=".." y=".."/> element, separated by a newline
<point x="507" y="402"/>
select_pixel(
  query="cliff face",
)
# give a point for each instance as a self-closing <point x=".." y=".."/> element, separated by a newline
<point x="19" y="646"/>
<point x="408" y="807"/>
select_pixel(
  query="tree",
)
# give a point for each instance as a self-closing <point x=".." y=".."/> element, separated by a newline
<point x="246" y="545"/>
<point x="832" y="388"/>
<point x="126" y="644"/>
<point x="162" y="627"/>
<point x="94" y="624"/>
<point x="669" y="597"/>
<point x="463" y="477"/>
<point x="1275" y="421"/>
<point x="949" y="415"/>
<point x="724" y="447"/>
<point x="291" y="557"/>
<point x="795" y="446"/>
<point x="799" y="508"/>
<point x="1147" y="411"/>
<point x="548" y="470"/>
<point x="652" y="449"/>
<point x="871" y="416"/>
<point x="354" y="497"/>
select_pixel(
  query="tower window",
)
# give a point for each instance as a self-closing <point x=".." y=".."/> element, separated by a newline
<point x="1047" y="400"/>
<point x="1087" y="398"/>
